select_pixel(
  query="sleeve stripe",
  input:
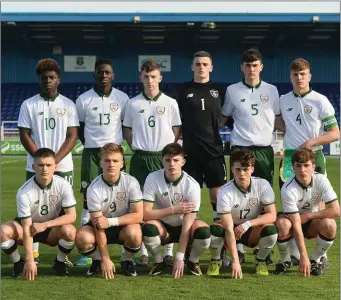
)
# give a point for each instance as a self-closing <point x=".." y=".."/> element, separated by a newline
<point x="127" y="127"/>
<point x="267" y="204"/>
<point x="328" y="118"/>
<point x="176" y="125"/>
<point x="150" y="201"/>
<point x="91" y="211"/>
<point x="224" y="213"/>
<point x="135" y="201"/>
<point x="291" y="212"/>
<point x="24" y="217"/>
<point x="330" y="201"/>
<point x="21" y="127"/>
<point x="74" y="126"/>
<point x="69" y="206"/>
<point x="278" y="115"/>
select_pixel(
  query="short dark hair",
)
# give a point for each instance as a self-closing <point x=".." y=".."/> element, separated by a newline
<point x="47" y="64"/>
<point x="173" y="149"/>
<point x="242" y="155"/>
<point x="150" y="65"/>
<point x="202" y="54"/>
<point x="43" y="153"/>
<point x="302" y="156"/>
<point x="251" y="55"/>
<point x="103" y="61"/>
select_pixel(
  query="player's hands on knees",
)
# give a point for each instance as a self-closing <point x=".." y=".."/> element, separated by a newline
<point x="239" y="231"/>
<point x="178" y="269"/>
<point x="37" y="228"/>
<point x="304" y="267"/>
<point x="30" y="270"/>
<point x="108" y="269"/>
<point x="236" y="270"/>
<point x="100" y="222"/>
<point x="184" y="207"/>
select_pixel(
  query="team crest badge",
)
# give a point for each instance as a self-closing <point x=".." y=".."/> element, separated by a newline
<point x="114" y="106"/>
<point x="121" y="196"/>
<point x="160" y="110"/>
<point x="253" y="202"/>
<point x="80" y="60"/>
<point x="61" y="112"/>
<point x="314" y="196"/>
<point x="178" y="197"/>
<point x="214" y="93"/>
<point x="84" y="184"/>
<point x="308" y="109"/>
<point x="264" y="98"/>
<point x="53" y="199"/>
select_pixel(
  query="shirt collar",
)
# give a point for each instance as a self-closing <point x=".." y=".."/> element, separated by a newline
<point x="114" y="184"/>
<point x="103" y="95"/>
<point x="151" y="99"/>
<point x="248" y="189"/>
<point x="304" y="94"/>
<point x="43" y="187"/>
<point x="175" y="183"/>
<point x="46" y="98"/>
<point x="250" y="86"/>
<point x="304" y="186"/>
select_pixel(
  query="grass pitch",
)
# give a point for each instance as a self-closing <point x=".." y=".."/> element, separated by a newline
<point x="78" y="286"/>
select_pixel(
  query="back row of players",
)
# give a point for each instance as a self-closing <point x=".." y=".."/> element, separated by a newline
<point x="50" y="120"/>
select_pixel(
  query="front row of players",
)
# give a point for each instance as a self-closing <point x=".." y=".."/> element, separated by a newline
<point x="168" y="214"/>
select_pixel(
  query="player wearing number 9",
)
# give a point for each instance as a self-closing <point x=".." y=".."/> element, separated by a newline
<point x="46" y="213"/>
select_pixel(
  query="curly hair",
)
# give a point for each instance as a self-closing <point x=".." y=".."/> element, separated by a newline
<point x="302" y="156"/>
<point x="244" y="156"/>
<point x="47" y="64"/>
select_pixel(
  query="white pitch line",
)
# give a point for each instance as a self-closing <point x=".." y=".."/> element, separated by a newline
<point x="7" y="162"/>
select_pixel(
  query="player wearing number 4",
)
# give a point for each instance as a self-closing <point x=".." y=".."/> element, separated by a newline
<point x="115" y="204"/>
<point x="40" y="202"/>
<point x="176" y="196"/>
<point x="303" y="217"/>
<point x="49" y="120"/>
<point x="101" y="112"/>
<point x="152" y="121"/>
<point x="239" y="204"/>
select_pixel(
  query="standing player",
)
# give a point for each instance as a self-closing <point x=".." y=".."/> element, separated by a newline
<point x="254" y="106"/>
<point x="101" y="112"/>
<point x="154" y="120"/>
<point x="305" y="113"/>
<point x="303" y="217"/>
<point x="176" y="196"/>
<point x="239" y="205"/>
<point x="115" y="203"/>
<point x="49" y="120"/>
<point x="40" y="201"/>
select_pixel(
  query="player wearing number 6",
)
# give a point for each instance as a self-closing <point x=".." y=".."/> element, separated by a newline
<point x="45" y="213"/>
<point x="115" y="204"/>
<point x="49" y="120"/>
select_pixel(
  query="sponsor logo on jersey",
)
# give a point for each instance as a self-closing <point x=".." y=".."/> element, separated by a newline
<point x="165" y="194"/>
<point x="121" y="196"/>
<point x="141" y="111"/>
<point x="61" y="112"/>
<point x="236" y="206"/>
<point x="41" y="113"/>
<point x="160" y="110"/>
<point x="314" y="196"/>
<point x="214" y="93"/>
<point x="189" y="95"/>
<point x="37" y="202"/>
<point x="53" y="199"/>
<point x="253" y="202"/>
<point x="242" y="100"/>
<point x="308" y="109"/>
<point x="178" y="197"/>
<point x="289" y="109"/>
<point x="264" y="98"/>
<point x="84" y="184"/>
<point x="300" y="200"/>
<point x="105" y="200"/>
<point x="95" y="108"/>
<point x="114" y="106"/>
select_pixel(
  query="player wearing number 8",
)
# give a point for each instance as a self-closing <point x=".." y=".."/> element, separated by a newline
<point x="46" y="211"/>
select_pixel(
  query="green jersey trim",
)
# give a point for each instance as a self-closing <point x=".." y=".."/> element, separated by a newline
<point x="267" y="204"/>
<point x="69" y="206"/>
<point x="150" y="201"/>
<point x="135" y="201"/>
<point x="331" y="201"/>
<point x="224" y="213"/>
<point x="21" y="218"/>
<point x="292" y="212"/>
<point x="329" y="122"/>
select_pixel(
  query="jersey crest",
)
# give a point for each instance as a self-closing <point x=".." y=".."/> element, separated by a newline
<point x="253" y="202"/>
<point x="114" y="106"/>
<point x="53" y="199"/>
<point x="178" y="197"/>
<point x="121" y="196"/>
<point x="160" y="110"/>
<point x="61" y="112"/>
<point x="314" y="196"/>
<point x="214" y="93"/>
<point x="308" y="109"/>
<point x="264" y="98"/>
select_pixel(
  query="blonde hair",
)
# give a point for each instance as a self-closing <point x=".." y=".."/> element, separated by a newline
<point x="111" y="148"/>
<point x="299" y="64"/>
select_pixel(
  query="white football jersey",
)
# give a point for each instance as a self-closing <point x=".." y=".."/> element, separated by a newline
<point x="152" y="121"/>
<point x="254" y="110"/>
<point x="49" y="121"/>
<point x="102" y="116"/>
<point x="157" y="189"/>
<point x="304" y="117"/>
<point x="44" y="203"/>
<point x="244" y="206"/>
<point x="297" y="198"/>
<point x="113" y="200"/>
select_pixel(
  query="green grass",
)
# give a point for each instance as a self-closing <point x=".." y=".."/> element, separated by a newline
<point x="77" y="286"/>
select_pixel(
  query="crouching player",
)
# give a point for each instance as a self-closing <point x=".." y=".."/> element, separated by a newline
<point x="239" y="205"/>
<point x="177" y="198"/>
<point x="115" y="204"/>
<point x="302" y="217"/>
<point x="46" y="212"/>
